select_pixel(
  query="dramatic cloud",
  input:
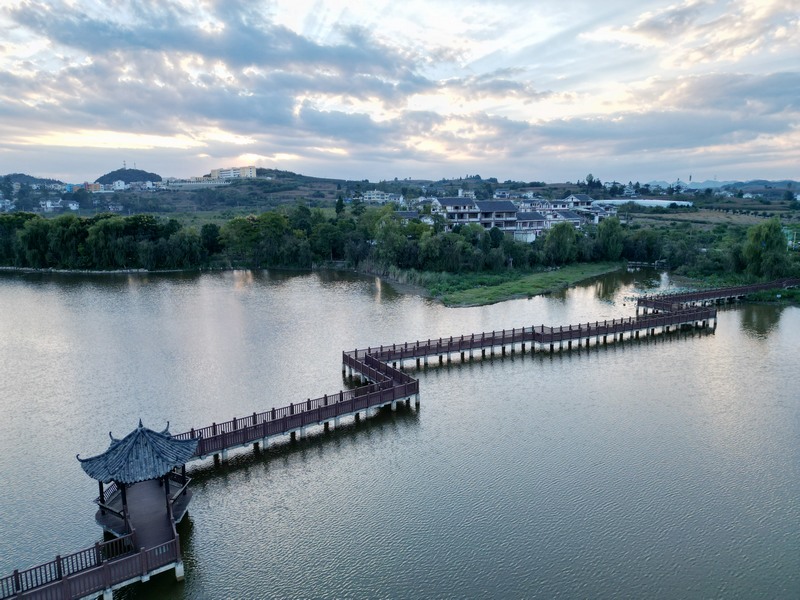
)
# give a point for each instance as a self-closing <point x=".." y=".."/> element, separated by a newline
<point x="546" y="90"/>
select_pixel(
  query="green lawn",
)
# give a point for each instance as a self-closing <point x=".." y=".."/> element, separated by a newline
<point x="478" y="289"/>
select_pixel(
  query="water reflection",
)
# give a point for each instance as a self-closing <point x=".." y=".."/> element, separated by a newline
<point x="759" y="319"/>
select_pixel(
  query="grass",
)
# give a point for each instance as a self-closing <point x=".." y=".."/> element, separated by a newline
<point x="790" y="296"/>
<point x="476" y="289"/>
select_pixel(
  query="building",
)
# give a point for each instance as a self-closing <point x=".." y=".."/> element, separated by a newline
<point x="248" y="172"/>
<point x="529" y="226"/>
<point x="497" y="213"/>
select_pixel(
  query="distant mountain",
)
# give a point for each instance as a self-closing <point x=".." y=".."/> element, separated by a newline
<point x="759" y="185"/>
<point x="708" y="183"/>
<point x="30" y="179"/>
<point x="128" y="176"/>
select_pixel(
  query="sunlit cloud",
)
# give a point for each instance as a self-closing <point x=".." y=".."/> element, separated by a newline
<point x="108" y="139"/>
<point x="351" y="88"/>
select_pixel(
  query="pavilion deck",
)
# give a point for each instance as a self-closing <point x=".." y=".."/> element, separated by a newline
<point x="147" y="511"/>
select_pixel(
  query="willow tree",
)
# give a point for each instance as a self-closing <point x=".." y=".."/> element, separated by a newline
<point x="766" y="250"/>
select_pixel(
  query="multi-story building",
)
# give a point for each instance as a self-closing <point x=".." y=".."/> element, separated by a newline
<point x="248" y="172"/>
<point x="464" y="211"/>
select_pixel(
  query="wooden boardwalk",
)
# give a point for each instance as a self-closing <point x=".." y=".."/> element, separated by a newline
<point x="676" y="302"/>
<point x="154" y="545"/>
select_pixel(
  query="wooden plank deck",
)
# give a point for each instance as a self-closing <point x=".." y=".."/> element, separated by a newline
<point x="147" y="511"/>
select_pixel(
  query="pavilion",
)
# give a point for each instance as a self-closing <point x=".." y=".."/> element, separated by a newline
<point x="147" y="487"/>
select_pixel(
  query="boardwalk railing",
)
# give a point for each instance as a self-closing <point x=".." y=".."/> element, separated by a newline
<point x="389" y="384"/>
<point x="90" y="571"/>
<point x="669" y="302"/>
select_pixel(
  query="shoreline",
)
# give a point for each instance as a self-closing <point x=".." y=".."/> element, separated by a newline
<point x="468" y="297"/>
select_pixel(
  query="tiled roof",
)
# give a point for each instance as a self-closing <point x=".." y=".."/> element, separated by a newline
<point x="496" y="206"/>
<point x="141" y="455"/>
<point x="530" y="216"/>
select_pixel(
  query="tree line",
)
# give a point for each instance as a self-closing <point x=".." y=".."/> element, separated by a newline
<point x="300" y="237"/>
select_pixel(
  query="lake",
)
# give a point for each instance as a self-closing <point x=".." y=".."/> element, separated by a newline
<point x="662" y="468"/>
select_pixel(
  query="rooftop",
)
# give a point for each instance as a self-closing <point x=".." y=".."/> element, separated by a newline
<point x="141" y="455"/>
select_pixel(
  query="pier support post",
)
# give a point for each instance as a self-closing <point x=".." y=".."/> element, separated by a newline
<point x="483" y="352"/>
<point x="336" y="422"/>
<point x="587" y="342"/>
<point x="179" y="571"/>
<point x="652" y="331"/>
<point x="416" y="399"/>
<point x="394" y="406"/>
<point x="216" y="459"/>
<point x="462" y="356"/>
<point x="637" y="334"/>
<point x="418" y="362"/>
<point x="293" y="436"/>
<point x="523" y="347"/>
<point x="605" y="339"/>
<point x="327" y="426"/>
<point x="441" y="359"/>
<point x="569" y="345"/>
<point x="358" y="417"/>
<point x="256" y="446"/>
<point x="503" y="350"/>
<point x="552" y="347"/>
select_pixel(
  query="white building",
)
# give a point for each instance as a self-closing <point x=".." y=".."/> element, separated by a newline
<point x="248" y="172"/>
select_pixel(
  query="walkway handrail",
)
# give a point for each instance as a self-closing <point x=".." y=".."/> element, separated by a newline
<point x="726" y="292"/>
<point x="391" y="383"/>
<point x="66" y="566"/>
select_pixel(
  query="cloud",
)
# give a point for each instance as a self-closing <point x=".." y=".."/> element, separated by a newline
<point x="421" y="85"/>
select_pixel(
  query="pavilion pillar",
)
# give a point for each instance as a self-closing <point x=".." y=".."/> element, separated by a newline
<point x="123" y="491"/>
<point x="166" y="490"/>
<point x="102" y="498"/>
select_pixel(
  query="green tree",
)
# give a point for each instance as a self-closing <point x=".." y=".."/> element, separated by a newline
<point x="339" y="205"/>
<point x="209" y="238"/>
<point x="33" y="243"/>
<point x="560" y="244"/>
<point x="610" y="239"/>
<point x="766" y="251"/>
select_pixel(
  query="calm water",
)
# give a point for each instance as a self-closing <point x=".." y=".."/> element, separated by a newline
<point x="660" y="469"/>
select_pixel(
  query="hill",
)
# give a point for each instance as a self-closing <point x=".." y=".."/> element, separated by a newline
<point x="29" y="179"/>
<point x="128" y="176"/>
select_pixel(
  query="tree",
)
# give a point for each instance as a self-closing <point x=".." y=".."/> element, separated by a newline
<point x="560" y="245"/>
<point x="766" y="250"/>
<point x="339" y="205"/>
<point x="610" y="238"/>
<point x="209" y="238"/>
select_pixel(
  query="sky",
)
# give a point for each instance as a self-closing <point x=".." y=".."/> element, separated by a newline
<point x="546" y="90"/>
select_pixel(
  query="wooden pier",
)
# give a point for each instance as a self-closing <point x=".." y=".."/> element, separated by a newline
<point x="148" y="542"/>
<point x="677" y="302"/>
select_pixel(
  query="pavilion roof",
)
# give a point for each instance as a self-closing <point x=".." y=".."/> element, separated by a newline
<point x="141" y="455"/>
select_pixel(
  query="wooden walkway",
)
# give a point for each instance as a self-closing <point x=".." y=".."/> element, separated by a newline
<point x="154" y="545"/>
<point x="676" y="302"/>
